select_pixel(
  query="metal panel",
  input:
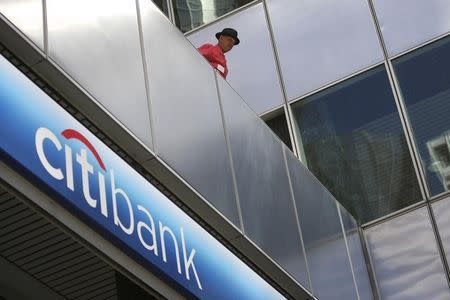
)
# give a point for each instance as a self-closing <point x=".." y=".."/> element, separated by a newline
<point x="97" y="43"/>
<point x="441" y="212"/>
<point x="27" y="16"/>
<point x="189" y="133"/>
<point x="321" y="41"/>
<point x="251" y="64"/>
<point x="406" y="259"/>
<point x="356" y="255"/>
<point x="408" y="23"/>
<point x="262" y="182"/>
<point x="323" y="238"/>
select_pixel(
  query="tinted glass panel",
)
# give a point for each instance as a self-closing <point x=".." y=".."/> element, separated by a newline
<point x="408" y="23"/>
<point x="326" y="254"/>
<point x="354" y="143"/>
<point x="406" y="259"/>
<point x="262" y="182"/>
<point x="188" y="126"/>
<point x="356" y="255"/>
<point x="251" y="64"/>
<point x="97" y="43"/>
<point x="425" y="85"/>
<point x="162" y="4"/>
<point x="320" y="41"/>
<point x="190" y="14"/>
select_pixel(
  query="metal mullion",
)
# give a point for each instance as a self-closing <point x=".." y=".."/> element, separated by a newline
<point x="439" y="197"/>
<point x="407" y="128"/>
<point x="146" y="73"/>
<point x="287" y="108"/>
<point x="45" y="26"/>
<point x="437" y="236"/>
<point x="347" y="248"/>
<point x="335" y="82"/>
<point x="369" y="264"/>
<point x="404" y="119"/>
<point x="171" y="12"/>
<point x="297" y="219"/>
<point x="230" y="155"/>
<point x="424" y="44"/>
<point x="393" y="215"/>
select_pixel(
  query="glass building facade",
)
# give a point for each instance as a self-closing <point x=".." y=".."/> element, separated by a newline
<point x="359" y="96"/>
<point x="366" y="103"/>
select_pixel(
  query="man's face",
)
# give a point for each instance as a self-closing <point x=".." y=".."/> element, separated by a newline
<point x="226" y="43"/>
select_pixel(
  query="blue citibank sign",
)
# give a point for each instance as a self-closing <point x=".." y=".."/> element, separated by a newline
<point x="51" y="148"/>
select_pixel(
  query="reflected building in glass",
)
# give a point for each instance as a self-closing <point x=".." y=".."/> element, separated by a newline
<point x="190" y="14"/>
<point x="366" y="103"/>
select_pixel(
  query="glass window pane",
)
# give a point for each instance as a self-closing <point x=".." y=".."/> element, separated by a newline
<point x="162" y="4"/>
<point x="354" y="143"/>
<point x="27" y="16"/>
<point x="97" y="43"/>
<point x="408" y="23"/>
<point x="278" y="124"/>
<point x="424" y="82"/>
<point x="441" y="211"/>
<point x="326" y="254"/>
<point x="251" y="64"/>
<point x="356" y="255"/>
<point x="187" y="122"/>
<point x="262" y="183"/>
<point x="190" y="14"/>
<point x="406" y="259"/>
<point x="320" y="41"/>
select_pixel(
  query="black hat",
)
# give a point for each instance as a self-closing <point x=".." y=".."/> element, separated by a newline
<point x="229" y="32"/>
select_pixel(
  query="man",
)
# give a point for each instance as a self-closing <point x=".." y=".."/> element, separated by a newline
<point x="215" y="54"/>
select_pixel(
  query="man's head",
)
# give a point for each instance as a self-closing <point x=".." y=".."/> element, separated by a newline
<point x="227" y="38"/>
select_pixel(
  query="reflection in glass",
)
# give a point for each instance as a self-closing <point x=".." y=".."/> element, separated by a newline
<point x="354" y="143"/>
<point x="424" y="82"/>
<point x="323" y="238"/>
<point x="109" y="66"/>
<point x="441" y="210"/>
<point x="262" y="183"/>
<point x="356" y="255"/>
<point x="190" y="14"/>
<point x="406" y="260"/>
<point x="187" y="119"/>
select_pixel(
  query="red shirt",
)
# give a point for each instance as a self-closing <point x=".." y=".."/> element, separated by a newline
<point x="216" y="58"/>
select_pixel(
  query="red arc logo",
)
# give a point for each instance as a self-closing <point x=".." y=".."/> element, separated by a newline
<point x="73" y="134"/>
